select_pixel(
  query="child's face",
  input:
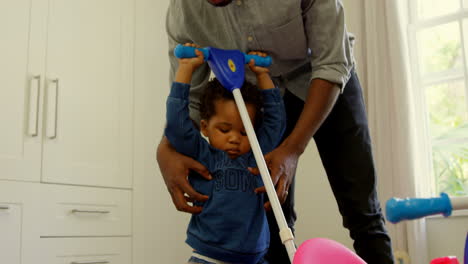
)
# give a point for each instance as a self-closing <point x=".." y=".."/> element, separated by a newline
<point x="225" y="130"/>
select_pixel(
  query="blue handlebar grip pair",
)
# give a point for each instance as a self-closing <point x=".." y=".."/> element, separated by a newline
<point x="413" y="208"/>
<point x="182" y="51"/>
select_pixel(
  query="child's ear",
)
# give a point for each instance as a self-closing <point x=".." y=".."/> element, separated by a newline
<point x="204" y="127"/>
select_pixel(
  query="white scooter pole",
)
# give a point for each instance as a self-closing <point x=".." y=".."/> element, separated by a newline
<point x="285" y="232"/>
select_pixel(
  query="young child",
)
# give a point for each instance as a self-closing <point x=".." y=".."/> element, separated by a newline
<point x="232" y="228"/>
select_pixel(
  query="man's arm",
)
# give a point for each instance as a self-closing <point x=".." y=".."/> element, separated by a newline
<point x="174" y="169"/>
<point x="328" y="40"/>
<point x="174" y="166"/>
<point x="319" y="103"/>
<point x="283" y="160"/>
<point x="186" y="138"/>
<point x="332" y="63"/>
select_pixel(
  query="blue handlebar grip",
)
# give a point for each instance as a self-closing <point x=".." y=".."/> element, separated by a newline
<point x="259" y="61"/>
<point x="413" y="208"/>
<point x="182" y="51"/>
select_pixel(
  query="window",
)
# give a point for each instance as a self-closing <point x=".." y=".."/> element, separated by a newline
<point x="438" y="37"/>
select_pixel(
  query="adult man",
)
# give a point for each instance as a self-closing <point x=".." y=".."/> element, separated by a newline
<point x="313" y="62"/>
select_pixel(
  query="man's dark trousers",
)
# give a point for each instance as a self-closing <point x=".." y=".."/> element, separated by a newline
<point x="344" y="145"/>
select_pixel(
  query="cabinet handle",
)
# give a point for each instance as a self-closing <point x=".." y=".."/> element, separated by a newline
<point x="74" y="211"/>
<point x="4" y="207"/>
<point x="52" y="109"/>
<point x="93" y="262"/>
<point x="34" y="87"/>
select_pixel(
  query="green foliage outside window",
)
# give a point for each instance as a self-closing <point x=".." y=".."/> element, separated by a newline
<point x="450" y="161"/>
<point x="448" y="116"/>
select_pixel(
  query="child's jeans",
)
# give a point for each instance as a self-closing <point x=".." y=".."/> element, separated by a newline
<point x="199" y="259"/>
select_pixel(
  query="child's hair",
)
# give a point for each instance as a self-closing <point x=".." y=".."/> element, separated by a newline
<point x="215" y="91"/>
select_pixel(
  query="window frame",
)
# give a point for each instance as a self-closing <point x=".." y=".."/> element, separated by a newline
<point x="420" y="82"/>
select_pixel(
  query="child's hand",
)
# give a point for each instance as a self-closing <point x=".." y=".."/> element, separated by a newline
<point x="264" y="81"/>
<point x="192" y="63"/>
<point x="188" y="65"/>
<point x="257" y="69"/>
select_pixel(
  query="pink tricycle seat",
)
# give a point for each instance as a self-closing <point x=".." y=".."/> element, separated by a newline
<point x="325" y="251"/>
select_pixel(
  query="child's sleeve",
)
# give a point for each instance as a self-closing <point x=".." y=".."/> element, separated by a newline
<point x="274" y="120"/>
<point x="180" y="130"/>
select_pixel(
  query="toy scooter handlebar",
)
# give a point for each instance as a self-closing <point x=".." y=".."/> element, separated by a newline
<point x="182" y="51"/>
<point x="413" y="208"/>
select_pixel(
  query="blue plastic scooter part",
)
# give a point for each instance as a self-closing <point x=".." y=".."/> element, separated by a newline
<point x="259" y="61"/>
<point x="182" y="51"/>
<point x="228" y="67"/>
<point x="413" y="208"/>
<point x="466" y="250"/>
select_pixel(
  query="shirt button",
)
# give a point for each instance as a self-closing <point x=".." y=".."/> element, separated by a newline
<point x="250" y="38"/>
<point x="239" y="2"/>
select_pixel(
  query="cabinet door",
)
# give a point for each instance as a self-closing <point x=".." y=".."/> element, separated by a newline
<point x="115" y="250"/>
<point x="21" y="72"/>
<point x="10" y="233"/>
<point x="83" y="211"/>
<point x="89" y="93"/>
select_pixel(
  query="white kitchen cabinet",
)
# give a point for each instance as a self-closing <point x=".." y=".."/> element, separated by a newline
<point x="10" y="233"/>
<point x="66" y="82"/>
<point x="83" y="211"/>
<point x="38" y="224"/>
<point x="18" y="222"/>
<point x="21" y="71"/>
<point x="86" y="251"/>
<point x="66" y="130"/>
<point x="89" y="93"/>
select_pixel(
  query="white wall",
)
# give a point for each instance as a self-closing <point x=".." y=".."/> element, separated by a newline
<point x="316" y="208"/>
<point x="446" y="236"/>
<point x="159" y="230"/>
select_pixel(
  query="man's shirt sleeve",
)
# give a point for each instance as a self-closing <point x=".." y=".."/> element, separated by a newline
<point x="328" y="40"/>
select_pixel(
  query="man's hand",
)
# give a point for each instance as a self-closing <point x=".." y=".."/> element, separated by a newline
<point x="175" y="169"/>
<point x="282" y="164"/>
